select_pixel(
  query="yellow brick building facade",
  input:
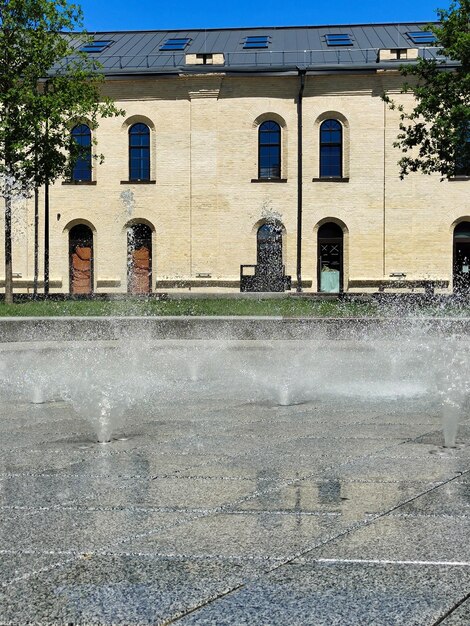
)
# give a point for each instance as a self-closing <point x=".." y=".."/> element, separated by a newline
<point x="205" y="202"/>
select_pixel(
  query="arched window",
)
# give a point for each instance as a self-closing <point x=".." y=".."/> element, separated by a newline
<point x="81" y="153"/>
<point x="462" y="165"/>
<point x="269" y="146"/>
<point x="331" y="149"/>
<point x="139" y="152"/>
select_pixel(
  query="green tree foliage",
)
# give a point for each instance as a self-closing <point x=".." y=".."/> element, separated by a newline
<point x="435" y="135"/>
<point x="45" y="85"/>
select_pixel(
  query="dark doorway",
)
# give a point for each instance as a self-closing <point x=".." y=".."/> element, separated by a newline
<point x="270" y="270"/>
<point x="269" y="242"/>
<point x="81" y="259"/>
<point x="461" y="261"/>
<point x="139" y="259"/>
<point x="330" y="258"/>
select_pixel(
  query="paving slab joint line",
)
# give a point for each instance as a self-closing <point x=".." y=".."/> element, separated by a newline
<point x="392" y="562"/>
<point x="451" y="610"/>
<point x="365" y="523"/>
<point x="286" y="562"/>
<point x="278" y="566"/>
<point x="41" y="570"/>
<point x="173" y="620"/>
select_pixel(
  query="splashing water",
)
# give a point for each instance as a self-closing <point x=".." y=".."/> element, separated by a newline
<point x="128" y="203"/>
<point x="450" y="424"/>
<point x="104" y="421"/>
<point x="105" y="383"/>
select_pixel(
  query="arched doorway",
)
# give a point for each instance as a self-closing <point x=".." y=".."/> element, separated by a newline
<point x="139" y="259"/>
<point x="461" y="258"/>
<point x="270" y="270"/>
<point x="269" y="244"/>
<point x="330" y="258"/>
<point x="81" y="259"/>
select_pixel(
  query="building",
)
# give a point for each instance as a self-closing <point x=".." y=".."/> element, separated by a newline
<point x="237" y="144"/>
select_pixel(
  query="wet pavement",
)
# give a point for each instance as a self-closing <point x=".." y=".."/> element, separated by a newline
<point x="215" y="509"/>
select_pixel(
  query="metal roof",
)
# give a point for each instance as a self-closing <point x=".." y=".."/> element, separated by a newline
<point x="138" y="52"/>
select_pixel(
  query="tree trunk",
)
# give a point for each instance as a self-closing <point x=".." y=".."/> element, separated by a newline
<point x="8" y="257"/>
<point x="46" y="238"/>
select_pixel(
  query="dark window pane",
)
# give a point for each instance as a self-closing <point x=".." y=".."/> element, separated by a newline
<point x="331" y="124"/>
<point x="270" y="138"/>
<point x="175" y="44"/>
<point x="269" y="148"/>
<point x="266" y="152"/>
<point x="261" y="41"/>
<point x="95" y="46"/>
<point x="338" y="39"/>
<point x="462" y="165"/>
<point x="331" y="141"/>
<point x="139" y="129"/>
<point x="139" y="152"/>
<point x="422" y="36"/>
<point x="331" y="136"/>
<point x="270" y="171"/>
<point x="81" y="136"/>
<point x="82" y="170"/>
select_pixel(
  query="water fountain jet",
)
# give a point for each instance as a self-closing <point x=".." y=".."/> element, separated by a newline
<point x="450" y="424"/>
<point x="103" y="381"/>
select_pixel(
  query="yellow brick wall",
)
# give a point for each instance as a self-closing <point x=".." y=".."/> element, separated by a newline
<point x="204" y="207"/>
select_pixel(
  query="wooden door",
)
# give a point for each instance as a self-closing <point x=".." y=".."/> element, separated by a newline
<point x="81" y="260"/>
<point x="139" y="259"/>
<point x="139" y="270"/>
<point x="81" y="270"/>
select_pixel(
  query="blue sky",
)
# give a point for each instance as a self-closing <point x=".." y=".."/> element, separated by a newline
<point x="180" y="14"/>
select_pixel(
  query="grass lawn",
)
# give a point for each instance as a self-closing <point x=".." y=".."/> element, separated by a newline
<point x="291" y="307"/>
<point x="286" y="307"/>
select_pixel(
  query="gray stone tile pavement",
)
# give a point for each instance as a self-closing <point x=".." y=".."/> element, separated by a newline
<point x="213" y="509"/>
<point x="459" y="617"/>
<point x="339" y="595"/>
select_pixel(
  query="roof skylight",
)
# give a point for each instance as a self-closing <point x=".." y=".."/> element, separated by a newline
<point x="338" y="39"/>
<point x="260" y="41"/>
<point x="175" y="44"/>
<point x="95" y="46"/>
<point x="422" y="36"/>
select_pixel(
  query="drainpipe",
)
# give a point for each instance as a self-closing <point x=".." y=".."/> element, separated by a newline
<point x="302" y="73"/>
<point x="46" y="211"/>
<point x="36" y="241"/>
